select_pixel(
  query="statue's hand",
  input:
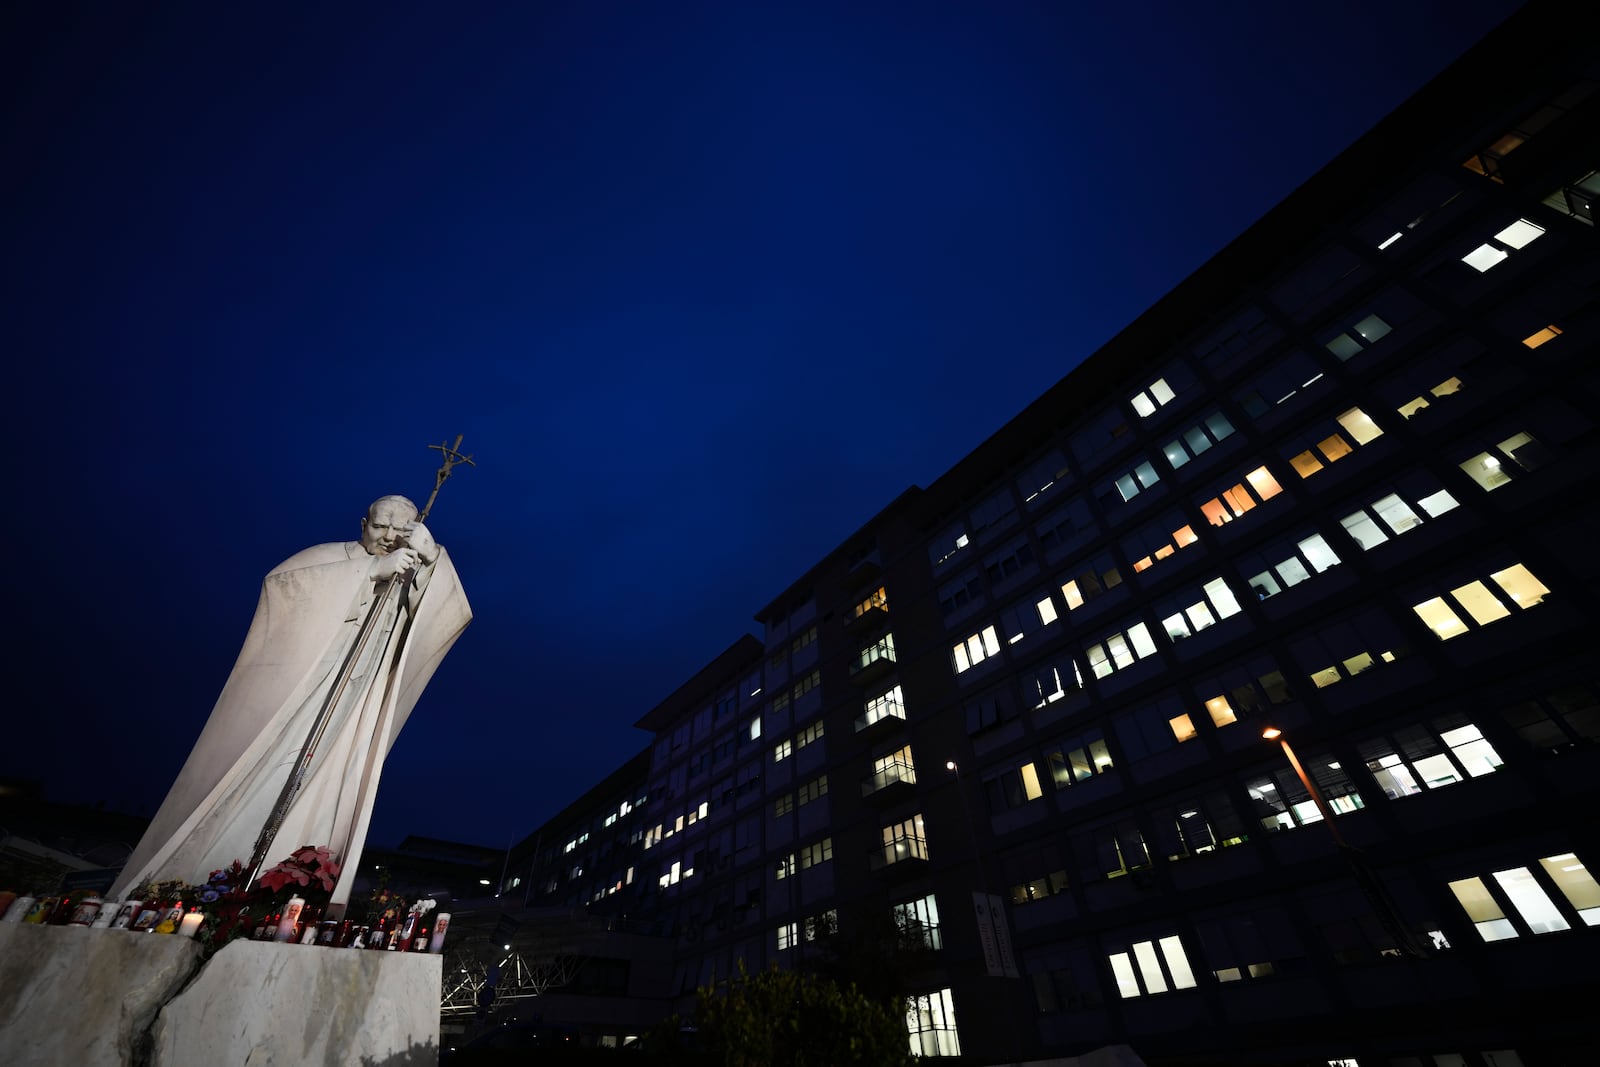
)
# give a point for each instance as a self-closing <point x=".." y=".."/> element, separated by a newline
<point x="397" y="562"/>
<point x="422" y="542"/>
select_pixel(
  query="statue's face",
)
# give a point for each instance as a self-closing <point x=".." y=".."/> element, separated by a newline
<point x="383" y="530"/>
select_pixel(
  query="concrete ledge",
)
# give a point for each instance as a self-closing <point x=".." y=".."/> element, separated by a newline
<point x="272" y="1005"/>
<point x="111" y="998"/>
<point x="69" y="994"/>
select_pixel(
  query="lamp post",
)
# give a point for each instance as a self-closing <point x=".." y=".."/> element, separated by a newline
<point x="1371" y="885"/>
<point x="997" y="916"/>
<point x="972" y="831"/>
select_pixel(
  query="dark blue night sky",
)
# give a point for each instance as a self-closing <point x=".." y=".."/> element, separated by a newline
<point x="704" y="286"/>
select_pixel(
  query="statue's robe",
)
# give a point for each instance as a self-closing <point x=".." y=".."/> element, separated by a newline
<point x="310" y="611"/>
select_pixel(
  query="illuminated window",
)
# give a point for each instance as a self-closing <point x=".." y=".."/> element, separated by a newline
<point x="1360" y="426"/>
<point x="1120" y="650"/>
<point x="1287" y="566"/>
<point x="931" y="1023"/>
<point x="1482" y="605"/>
<point x="1078" y="759"/>
<point x="1519" y="583"/>
<point x="1520" y="234"/>
<point x="918" y="920"/>
<point x="1049" y="682"/>
<point x="886" y="705"/>
<point x="1215" y="602"/>
<point x="1494" y="468"/>
<point x="879" y="599"/>
<point x="1539" y="337"/>
<point x="1439" y="618"/>
<point x="882" y="649"/>
<point x="975" y="649"/>
<point x="1531" y="901"/>
<point x="1414" y="758"/>
<point x="1152" y="967"/>
<point x="1345" y="649"/>
<point x="901" y="841"/>
<point x="1095" y="578"/>
<point x="1371" y="526"/>
<point x="1199" y="825"/>
<point x="1158" y="540"/>
<point x="1156" y="395"/>
<point x="1449" y="387"/>
<point x="808" y="735"/>
<point x="886" y="771"/>
<point x="1033" y="613"/>
<point x="1482" y="910"/>
<point x="1485" y="257"/>
<point x="1013" y="788"/>
<point x="1221" y="711"/>
<point x="1574" y="882"/>
<point x="1051" y="884"/>
<point x="1236" y="500"/>
<point x="1283" y="803"/>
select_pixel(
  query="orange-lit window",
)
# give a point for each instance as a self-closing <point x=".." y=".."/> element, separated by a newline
<point x="1239" y="500"/>
<point x="1265" y="485"/>
<point x="1334" y="448"/>
<point x="1221" y="711"/>
<point x="1305" y="464"/>
<point x="1539" y="337"/>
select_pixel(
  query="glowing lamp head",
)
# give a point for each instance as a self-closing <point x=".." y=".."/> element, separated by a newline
<point x="1272" y="733"/>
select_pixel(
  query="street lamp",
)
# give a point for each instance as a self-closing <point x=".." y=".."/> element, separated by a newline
<point x="1372" y="886"/>
<point x="972" y="828"/>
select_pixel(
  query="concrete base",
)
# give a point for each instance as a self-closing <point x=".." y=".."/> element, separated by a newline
<point x="110" y="998"/>
<point x="270" y="1005"/>
<point x="69" y="994"/>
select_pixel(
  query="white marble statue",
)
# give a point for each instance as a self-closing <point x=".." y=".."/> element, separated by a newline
<point x="311" y="609"/>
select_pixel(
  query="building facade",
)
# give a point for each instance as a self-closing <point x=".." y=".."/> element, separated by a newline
<point x="1333" y="487"/>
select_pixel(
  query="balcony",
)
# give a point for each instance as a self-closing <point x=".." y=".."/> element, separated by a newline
<point x="869" y="618"/>
<point x="882" y="715"/>
<point x="902" y="856"/>
<point x="893" y="782"/>
<point x="872" y="724"/>
<point x="873" y="662"/>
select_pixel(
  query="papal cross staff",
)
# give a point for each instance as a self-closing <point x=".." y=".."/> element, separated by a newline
<point x="319" y="726"/>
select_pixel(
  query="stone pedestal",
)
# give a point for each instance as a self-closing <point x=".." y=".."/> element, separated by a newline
<point x="111" y="998"/>
<point x="69" y="994"/>
<point x="273" y="1005"/>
